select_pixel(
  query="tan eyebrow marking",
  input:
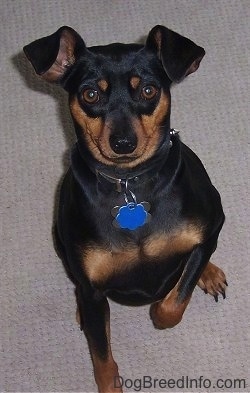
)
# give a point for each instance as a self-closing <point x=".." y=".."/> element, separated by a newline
<point x="103" y="84"/>
<point x="135" y="81"/>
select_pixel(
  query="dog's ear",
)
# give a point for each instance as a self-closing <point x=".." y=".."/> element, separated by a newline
<point x="52" y="56"/>
<point x="179" y="55"/>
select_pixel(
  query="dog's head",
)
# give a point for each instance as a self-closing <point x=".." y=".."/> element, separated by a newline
<point x="119" y="93"/>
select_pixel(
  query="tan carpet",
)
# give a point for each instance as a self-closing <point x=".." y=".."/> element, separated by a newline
<point x="42" y="349"/>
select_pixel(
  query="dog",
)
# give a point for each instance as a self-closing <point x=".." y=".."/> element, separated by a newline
<point x="138" y="217"/>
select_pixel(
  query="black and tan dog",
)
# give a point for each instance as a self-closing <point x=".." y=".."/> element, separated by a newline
<point x="138" y="218"/>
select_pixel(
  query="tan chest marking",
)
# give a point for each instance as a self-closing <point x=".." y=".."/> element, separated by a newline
<point x="180" y="241"/>
<point x="100" y="263"/>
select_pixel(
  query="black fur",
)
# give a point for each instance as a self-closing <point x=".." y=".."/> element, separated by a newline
<point x="172" y="179"/>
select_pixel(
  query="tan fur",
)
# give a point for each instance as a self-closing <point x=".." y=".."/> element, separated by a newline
<point x="100" y="263"/>
<point x="168" y="312"/>
<point x="105" y="371"/>
<point x="135" y="81"/>
<point x="213" y="280"/>
<point x="180" y="241"/>
<point x="150" y="124"/>
<point x="103" y="84"/>
<point x="147" y="129"/>
<point x="94" y="131"/>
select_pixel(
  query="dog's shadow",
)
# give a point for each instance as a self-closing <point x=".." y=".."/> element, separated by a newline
<point x="33" y="82"/>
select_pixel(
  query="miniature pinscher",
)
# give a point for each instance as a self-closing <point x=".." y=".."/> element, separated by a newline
<point x="138" y="216"/>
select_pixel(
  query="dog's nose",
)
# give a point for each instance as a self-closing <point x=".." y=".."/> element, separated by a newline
<point x="121" y="144"/>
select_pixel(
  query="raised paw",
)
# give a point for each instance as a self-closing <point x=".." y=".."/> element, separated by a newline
<point x="213" y="281"/>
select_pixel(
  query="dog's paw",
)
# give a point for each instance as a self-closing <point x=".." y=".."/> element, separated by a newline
<point x="213" y="281"/>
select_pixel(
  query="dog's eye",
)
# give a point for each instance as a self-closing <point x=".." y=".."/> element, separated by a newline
<point x="90" y="96"/>
<point x="148" y="92"/>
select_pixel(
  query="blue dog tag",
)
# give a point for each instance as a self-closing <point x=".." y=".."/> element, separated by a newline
<point x="131" y="216"/>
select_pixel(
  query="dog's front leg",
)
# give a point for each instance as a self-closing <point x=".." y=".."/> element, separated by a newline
<point x="95" y="321"/>
<point x="168" y="312"/>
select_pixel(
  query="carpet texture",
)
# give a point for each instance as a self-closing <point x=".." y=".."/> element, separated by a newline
<point x="42" y="349"/>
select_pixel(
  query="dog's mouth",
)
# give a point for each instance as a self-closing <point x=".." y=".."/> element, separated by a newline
<point x="128" y="160"/>
<point x="124" y="159"/>
<point x="121" y="158"/>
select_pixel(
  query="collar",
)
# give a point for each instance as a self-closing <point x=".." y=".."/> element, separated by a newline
<point x="123" y="183"/>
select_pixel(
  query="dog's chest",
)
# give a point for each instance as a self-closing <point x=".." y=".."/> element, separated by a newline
<point x="101" y="263"/>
